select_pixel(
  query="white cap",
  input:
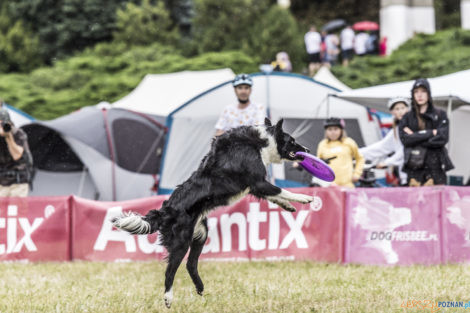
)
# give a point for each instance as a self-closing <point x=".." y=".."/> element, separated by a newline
<point x="395" y="100"/>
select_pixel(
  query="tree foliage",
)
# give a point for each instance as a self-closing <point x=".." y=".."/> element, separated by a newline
<point x="226" y="24"/>
<point x="18" y="46"/>
<point x="275" y="31"/>
<point x="145" y="24"/>
<point x="66" y="26"/>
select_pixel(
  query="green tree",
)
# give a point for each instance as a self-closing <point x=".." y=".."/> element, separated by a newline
<point x="225" y="24"/>
<point x="66" y="26"/>
<point x="18" y="47"/>
<point x="145" y="24"/>
<point x="276" y="31"/>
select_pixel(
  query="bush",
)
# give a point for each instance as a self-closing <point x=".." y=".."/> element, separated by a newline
<point x="96" y="75"/>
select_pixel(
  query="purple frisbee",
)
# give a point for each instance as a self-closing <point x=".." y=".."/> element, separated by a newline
<point x="316" y="167"/>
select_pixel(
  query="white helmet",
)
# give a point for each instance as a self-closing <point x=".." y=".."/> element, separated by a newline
<point x="391" y="103"/>
<point x="242" y="79"/>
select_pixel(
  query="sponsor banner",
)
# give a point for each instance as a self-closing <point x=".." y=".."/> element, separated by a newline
<point x="35" y="229"/>
<point x="393" y="226"/>
<point x="95" y="239"/>
<point x="255" y="229"/>
<point x="456" y="224"/>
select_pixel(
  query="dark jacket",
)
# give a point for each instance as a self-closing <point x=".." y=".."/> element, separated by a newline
<point x="434" y="119"/>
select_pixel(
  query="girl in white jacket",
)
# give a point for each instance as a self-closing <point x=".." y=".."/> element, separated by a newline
<point x="391" y="142"/>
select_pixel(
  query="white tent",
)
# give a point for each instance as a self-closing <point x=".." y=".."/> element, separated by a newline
<point x="160" y="94"/>
<point x="459" y="148"/>
<point x="18" y="117"/>
<point x="300" y="100"/>
<point x="448" y="90"/>
<point x="325" y="76"/>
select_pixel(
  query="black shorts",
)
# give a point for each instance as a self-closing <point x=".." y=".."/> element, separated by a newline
<point x="314" y="58"/>
<point x="347" y="54"/>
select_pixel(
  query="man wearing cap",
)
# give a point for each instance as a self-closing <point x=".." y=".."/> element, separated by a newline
<point x="390" y="147"/>
<point x="424" y="132"/>
<point x="243" y="113"/>
<point x="15" y="159"/>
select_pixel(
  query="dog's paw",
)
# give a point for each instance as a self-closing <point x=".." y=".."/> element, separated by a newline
<point x="168" y="298"/>
<point x="303" y="198"/>
<point x="287" y="206"/>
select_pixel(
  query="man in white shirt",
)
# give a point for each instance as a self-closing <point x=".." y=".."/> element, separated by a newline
<point x="245" y="112"/>
<point x="313" y="46"/>
<point x="347" y="44"/>
<point x="360" y="43"/>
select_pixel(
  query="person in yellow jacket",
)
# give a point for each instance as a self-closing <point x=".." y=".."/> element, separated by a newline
<point x="340" y="150"/>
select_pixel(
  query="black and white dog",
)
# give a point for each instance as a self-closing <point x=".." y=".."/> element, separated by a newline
<point x="234" y="167"/>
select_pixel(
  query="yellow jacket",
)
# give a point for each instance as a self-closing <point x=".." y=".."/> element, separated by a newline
<point x="345" y="151"/>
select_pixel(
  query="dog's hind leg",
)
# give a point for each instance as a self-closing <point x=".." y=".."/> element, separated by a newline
<point x="196" y="248"/>
<point x="175" y="257"/>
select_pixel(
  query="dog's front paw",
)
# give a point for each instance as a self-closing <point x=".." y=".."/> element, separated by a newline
<point x="289" y="208"/>
<point x="303" y="198"/>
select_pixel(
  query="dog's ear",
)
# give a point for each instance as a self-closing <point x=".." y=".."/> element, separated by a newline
<point x="279" y="125"/>
<point x="267" y="122"/>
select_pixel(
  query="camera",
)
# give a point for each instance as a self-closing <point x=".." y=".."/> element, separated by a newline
<point x="6" y="127"/>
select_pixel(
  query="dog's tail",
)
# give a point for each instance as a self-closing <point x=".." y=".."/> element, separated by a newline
<point x="137" y="224"/>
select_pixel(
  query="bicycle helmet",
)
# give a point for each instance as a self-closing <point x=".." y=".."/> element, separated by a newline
<point x="242" y="79"/>
<point x="334" y="121"/>
<point x="391" y="103"/>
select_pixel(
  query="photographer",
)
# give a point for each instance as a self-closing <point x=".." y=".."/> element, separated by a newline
<point x="15" y="159"/>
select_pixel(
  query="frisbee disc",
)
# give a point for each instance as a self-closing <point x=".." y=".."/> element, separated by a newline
<point x="316" y="167"/>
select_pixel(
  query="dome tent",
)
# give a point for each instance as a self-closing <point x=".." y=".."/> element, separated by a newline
<point x="96" y="153"/>
<point x="300" y="100"/>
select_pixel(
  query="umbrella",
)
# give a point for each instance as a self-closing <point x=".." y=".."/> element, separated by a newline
<point x="334" y="24"/>
<point x="366" y="25"/>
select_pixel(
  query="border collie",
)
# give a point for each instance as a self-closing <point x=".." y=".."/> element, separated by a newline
<point x="234" y="167"/>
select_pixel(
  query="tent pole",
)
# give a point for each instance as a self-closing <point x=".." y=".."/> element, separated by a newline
<point x="449" y="113"/>
<point x="82" y="181"/>
<point x="111" y="152"/>
<point x="328" y="105"/>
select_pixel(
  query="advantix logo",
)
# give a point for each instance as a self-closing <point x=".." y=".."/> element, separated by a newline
<point x="13" y="223"/>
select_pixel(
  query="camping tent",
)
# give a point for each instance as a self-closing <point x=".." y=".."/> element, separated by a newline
<point x="448" y="90"/>
<point x="459" y="149"/>
<point x="160" y="94"/>
<point x="96" y="153"/>
<point x="17" y="116"/>
<point x="300" y="100"/>
<point x="325" y="76"/>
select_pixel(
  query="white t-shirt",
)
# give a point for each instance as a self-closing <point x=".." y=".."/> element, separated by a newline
<point x="312" y="42"/>
<point x="347" y="39"/>
<point x="360" y="43"/>
<point x="232" y="116"/>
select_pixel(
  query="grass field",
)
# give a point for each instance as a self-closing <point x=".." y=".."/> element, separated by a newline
<point x="230" y="287"/>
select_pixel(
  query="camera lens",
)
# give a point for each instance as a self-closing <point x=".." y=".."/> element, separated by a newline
<point x="6" y="127"/>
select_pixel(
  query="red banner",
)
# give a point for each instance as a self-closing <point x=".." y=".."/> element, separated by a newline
<point x="95" y="239"/>
<point x="35" y="229"/>
<point x="253" y="229"/>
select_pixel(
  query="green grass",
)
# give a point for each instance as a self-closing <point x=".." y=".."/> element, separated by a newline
<point x="230" y="287"/>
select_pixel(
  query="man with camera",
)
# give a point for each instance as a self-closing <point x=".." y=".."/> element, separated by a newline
<point x="15" y="159"/>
